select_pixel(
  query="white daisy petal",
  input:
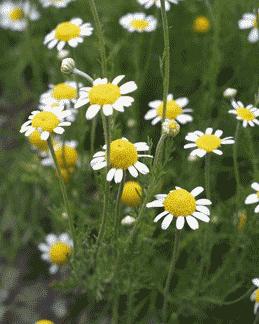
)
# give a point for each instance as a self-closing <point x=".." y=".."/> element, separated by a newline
<point x="251" y="199"/>
<point x="192" y="222"/>
<point x="180" y="222"/>
<point x="196" y="191"/>
<point x="159" y="216"/>
<point x="166" y="222"/>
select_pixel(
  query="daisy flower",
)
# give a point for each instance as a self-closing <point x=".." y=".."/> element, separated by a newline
<point x="56" y="250"/>
<point x="71" y="32"/>
<point x="254" y="198"/>
<point x="249" y="21"/>
<point x="107" y="96"/>
<point x="138" y="22"/>
<point x="255" y="295"/>
<point x="248" y="114"/>
<point x="149" y="3"/>
<point x="46" y="122"/>
<point x="44" y="321"/>
<point x="37" y="143"/>
<point x="123" y="156"/>
<point x="55" y="3"/>
<point x="131" y="194"/>
<point x="15" y="16"/>
<point x="174" y="110"/>
<point x="182" y="205"/>
<point x="207" y="142"/>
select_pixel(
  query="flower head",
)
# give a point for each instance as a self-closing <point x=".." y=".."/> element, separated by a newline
<point x="171" y="127"/>
<point x="254" y="198"/>
<point x="131" y="194"/>
<point x="56" y="250"/>
<point x="14" y="16"/>
<point x="36" y="141"/>
<point x="248" y="114"/>
<point x="201" y="24"/>
<point x="255" y="295"/>
<point x="249" y="21"/>
<point x="230" y="93"/>
<point x="138" y="22"/>
<point x="55" y="3"/>
<point x="174" y="110"/>
<point x="68" y="65"/>
<point x="149" y="3"/>
<point x="69" y="32"/>
<point x="107" y="96"/>
<point x="46" y="122"/>
<point x="44" y="321"/>
<point x="182" y="205"/>
<point x="207" y="142"/>
<point x="123" y="156"/>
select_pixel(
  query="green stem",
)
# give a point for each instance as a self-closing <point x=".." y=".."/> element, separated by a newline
<point x="63" y="189"/>
<point x="235" y="161"/>
<point x="170" y="274"/>
<point x="166" y="58"/>
<point x="92" y="135"/>
<point x="115" y="311"/>
<point x="100" y="36"/>
<point x="159" y="150"/>
<point x="207" y="175"/>
<point x="130" y="304"/>
<point x="117" y="208"/>
<point x="83" y="75"/>
<point x="252" y="152"/>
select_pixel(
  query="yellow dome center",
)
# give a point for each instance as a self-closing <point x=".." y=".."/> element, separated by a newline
<point x="66" y="156"/>
<point x="131" y="194"/>
<point x="201" y="24"/>
<point x="36" y="141"/>
<point x="257" y="295"/>
<point x="64" y="91"/>
<point x="208" y="143"/>
<point x="16" y="14"/>
<point x="122" y="154"/>
<point x="45" y="120"/>
<point x="102" y="94"/>
<point x="139" y="24"/>
<point x="67" y="31"/>
<point x="245" y="114"/>
<point x="44" y="322"/>
<point x="180" y="202"/>
<point x="172" y="110"/>
<point x="59" y="253"/>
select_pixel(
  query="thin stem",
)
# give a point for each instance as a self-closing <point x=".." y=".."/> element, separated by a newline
<point x="100" y="36"/>
<point x="207" y="175"/>
<point x="235" y="161"/>
<point x="115" y="311"/>
<point x="117" y="208"/>
<point x="252" y="152"/>
<point x="130" y="304"/>
<point x="92" y="135"/>
<point x="166" y="58"/>
<point x="170" y="273"/>
<point x="248" y="292"/>
<point x="63" y="189"/>
<point x="83" y="75"/>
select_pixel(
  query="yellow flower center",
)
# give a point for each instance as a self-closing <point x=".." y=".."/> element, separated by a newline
<point x="242" y="221"/>
<point x="245" y="114"/>
<point x="139" y="24"/>
<point x="59" y="253"/>
<point x="67" y="31"/>
<point x="257" y="295"/>
<point x="66" y="173"/>
<point x="102" y="94"/>
<point x="122" y="154"/>
<point x="208" y="143"/>
<point x="16" y="14"/>
<point x="201" y="24"/>
<point x="36" y="141"/>
<point x="45" y="120"/>
<point x="172" y="110"/>
<point x="131" y="194"/>
<point x="44" y="322"/>
<point x="180" y="202"/>
<point x="64" y="91"/>
<point x="66" y="156"/>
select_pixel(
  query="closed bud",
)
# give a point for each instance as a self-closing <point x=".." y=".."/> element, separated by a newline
<point x="171" y="127"/>
<point x="230" y="93"/>
<point x="68" y="65"/>
<point x="128" y="220"/>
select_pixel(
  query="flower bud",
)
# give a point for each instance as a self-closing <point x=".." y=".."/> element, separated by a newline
<point x="128" y="220"/>
<point x="230" y="93"/>
<point x="171" y="127"/>
<point x="68" y="65"/>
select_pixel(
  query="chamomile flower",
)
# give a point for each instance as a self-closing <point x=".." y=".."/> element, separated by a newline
<point x="46" y="122"/>
<point x="201" y="24"/>
<point x="149" y="3"/>
<point x="69" y="32"/>
<point x="15" y="16"/>
<point x="37" y="143"/>
<point x="55" y="3"/>
<point x="56" y="250"/>
<point x="56" y="104"/>
<point x="247" y="114"/>
<point x="207" y="142"/>
<point x="106" y="96"/>
<point x="44" y="321"/>
<point x="255" y="295"/>
<point x="123" y="156"/>
<point x="249" y="21"/>
<point x="181" y="205"/>
<point x="174" y="110"/>
<point x="138" y="22"/>
<point x="131" y="194"/>
<point x="254" y="198"/>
